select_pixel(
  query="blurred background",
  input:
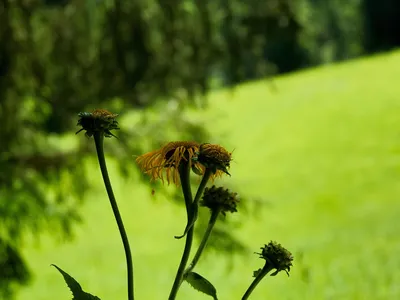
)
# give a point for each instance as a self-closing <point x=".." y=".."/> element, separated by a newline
<point x="305" y="92"/>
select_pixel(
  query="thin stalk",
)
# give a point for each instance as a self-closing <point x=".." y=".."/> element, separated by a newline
<point x="192" y="210"/>
<point x="211" y="223"/>
<point x="199" y="193"/>
<point x="202" y="186"/>
<point x="98" y="138"/>
<point x="256" y="281"/>
<point x="184" y="173"/>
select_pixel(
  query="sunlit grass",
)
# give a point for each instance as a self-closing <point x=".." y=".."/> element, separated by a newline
<point x="323" y="150"/>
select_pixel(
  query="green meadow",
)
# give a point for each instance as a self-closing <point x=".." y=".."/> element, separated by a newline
<point x="321" y="148"/>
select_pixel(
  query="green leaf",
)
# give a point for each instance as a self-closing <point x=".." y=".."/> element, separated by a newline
<point x="75" y="287"/>
<point x="201" y="284"/>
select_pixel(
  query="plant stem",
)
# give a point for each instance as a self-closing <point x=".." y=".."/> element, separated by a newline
<point x="184" y="173"/>
<point x="200" y="190"/>
<point x="98" y="138"/>
<point x="211" y="223"/>
<point x="192" y="210"/>
<point x="256" y="281"/>
<point x="202" y="186"/>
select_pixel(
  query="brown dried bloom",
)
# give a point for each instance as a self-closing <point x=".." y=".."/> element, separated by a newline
<point x="276" y="257"/>
<point x="169" y="157"/>
<point x="220" y="199"/>
<point x="214" y="157"/>
<point x="99" y="120"/>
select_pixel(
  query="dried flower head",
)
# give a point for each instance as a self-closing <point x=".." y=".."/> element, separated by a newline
<point x="99" y="120"/>
<point x="276" y="257"/>
<point x="168" y="158"/>
<point x="214" y="157"/>
<point x="218" y="198"/>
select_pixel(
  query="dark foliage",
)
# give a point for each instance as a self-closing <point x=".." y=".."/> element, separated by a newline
<point x="13" y="269"/>
<point x="381" y="23"/>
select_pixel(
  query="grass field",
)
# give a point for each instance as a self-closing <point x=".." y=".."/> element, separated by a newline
<point x="323" y="150"/>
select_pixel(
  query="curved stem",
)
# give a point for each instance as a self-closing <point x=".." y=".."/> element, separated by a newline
<point x="98" y="138"/>
<point x="202" y="186"/>
<point x="256" y="281"/>
<point x="199" y="193"/>
<point x="184" y="173"/>
<point x="211" y="223"/>
<point x="192" y="210"/>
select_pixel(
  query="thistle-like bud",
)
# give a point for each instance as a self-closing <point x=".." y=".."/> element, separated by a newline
<point x="215" y="158"/>
<point x="276" y="257"/>
<point x="218" y="198"/>
<point x="99" y="120"/>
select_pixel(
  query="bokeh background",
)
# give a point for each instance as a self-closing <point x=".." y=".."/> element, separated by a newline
<point x="305" y="92"/>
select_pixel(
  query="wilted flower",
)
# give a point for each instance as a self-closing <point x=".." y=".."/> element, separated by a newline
<point x="215" y="158"/>
<point x="276" y="257"/>
<point x="218" y="198"/>
<point x="99" y="120"/>
<point x="169" y="157"/>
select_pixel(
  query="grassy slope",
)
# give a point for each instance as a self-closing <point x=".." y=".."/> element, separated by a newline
<point x="324" y="151"/>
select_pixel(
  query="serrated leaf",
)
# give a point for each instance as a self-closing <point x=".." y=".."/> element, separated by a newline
<point x="201" y="284"/>
<point x="75" y="287"/>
